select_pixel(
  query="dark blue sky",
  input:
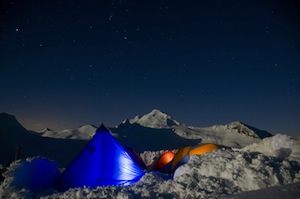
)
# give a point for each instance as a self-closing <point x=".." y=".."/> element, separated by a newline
<point x="68" y="63"/>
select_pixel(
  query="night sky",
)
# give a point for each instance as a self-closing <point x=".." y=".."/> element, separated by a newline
<point x="68" y="63"/>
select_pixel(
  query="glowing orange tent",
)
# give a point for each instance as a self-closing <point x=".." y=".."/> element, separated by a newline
<point x="169" y="162"/>
<point x="163" y="163"/>
<point x="183" y="155"/>
<point x="202" y="149"/>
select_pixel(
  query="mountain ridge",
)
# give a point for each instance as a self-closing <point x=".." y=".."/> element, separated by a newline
<point x="160" y="119"/>
<point x="157" y="131"/>
<point x="155" y="119"/>
<point x="14" y="136"/>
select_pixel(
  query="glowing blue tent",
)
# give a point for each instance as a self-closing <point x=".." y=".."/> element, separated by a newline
<point x="103" y="161"/>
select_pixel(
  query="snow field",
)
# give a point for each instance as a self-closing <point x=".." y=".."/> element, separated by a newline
<point x="213" y="175"/>
<point x="244" y="170"/>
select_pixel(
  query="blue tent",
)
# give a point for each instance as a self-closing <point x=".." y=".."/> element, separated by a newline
<point x="102" y="162"/>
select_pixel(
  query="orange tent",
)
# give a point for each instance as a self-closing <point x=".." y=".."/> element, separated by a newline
<point x="169" y="162"/>
<point x="202" y="149"/>
<point x="163" y="161"/>
<point x="183" y="155"/>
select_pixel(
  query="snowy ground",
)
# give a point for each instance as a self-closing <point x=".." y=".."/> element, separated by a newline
<point x="229" y="173"/>
<point x="290" y="191"/>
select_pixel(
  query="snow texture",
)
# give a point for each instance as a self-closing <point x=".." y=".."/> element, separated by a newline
<point x="155" y="119"/>
<point x="84" y="132"/>
<point x="221" y="173"/>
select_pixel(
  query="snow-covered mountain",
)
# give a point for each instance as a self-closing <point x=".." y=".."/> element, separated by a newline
<point x="82" y="133"/>
<point x="15" y="137"/>
<point x="151" y="132"/>
<point x="155" y="119"/>
<point x="142" y="133"/>
<point x="235" y="134"/>
<point x="159" y="119"/>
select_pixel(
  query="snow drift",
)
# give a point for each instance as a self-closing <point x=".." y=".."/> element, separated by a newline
<point x="212" y="175"/>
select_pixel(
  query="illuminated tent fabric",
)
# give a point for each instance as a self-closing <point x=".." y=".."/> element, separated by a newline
<point x="103" y="161"/>
<point x="136" y="158"/>
<point x="183" y="155"/>
<point x="163" y="164"/>
<point x="202" y="149"/>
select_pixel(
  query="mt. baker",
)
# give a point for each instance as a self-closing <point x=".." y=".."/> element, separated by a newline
<point x="151" y="132"/>
<point x="157" y="130"/>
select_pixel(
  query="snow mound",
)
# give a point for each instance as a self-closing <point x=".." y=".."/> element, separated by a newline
<point x="220" y="173"/>
<point x="155" y="119"/>
<point x="280" y="146"/>
<point x="289" y="191"/>
<point x="213" y="175"/>
<point x="242" y="171"/>
<point x="28" y="176"/>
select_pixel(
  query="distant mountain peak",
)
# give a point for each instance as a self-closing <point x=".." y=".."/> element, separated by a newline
<point x="87" y="127"/>
<point x="83" y="132"/>
<point x="155" y="119"/>
<point x="44" y="130"/>
<point x="250" y="131"/>
<point x="155" y="113"/>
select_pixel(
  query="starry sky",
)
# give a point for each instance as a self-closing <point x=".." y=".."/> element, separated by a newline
<point x="68" y="63"/>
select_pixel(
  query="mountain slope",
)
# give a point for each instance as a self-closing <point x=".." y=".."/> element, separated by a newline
<point x="143" y="138"/>
<point x="155" y="119"/>
<point x="235" y="134"/>
<point x="151" y="132"/>
<point x="13" y="135"/>
<point x="82" y="133"/>
<point x="159" y="119"/>
<point x="157" y="130"/>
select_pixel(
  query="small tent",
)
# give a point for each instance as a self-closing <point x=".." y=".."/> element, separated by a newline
<point x="201" y="149"/>
<point x="183" y="155"/>
<point x="102" y="162"/>
<point x="163" y="164"/>
<point x="169" y="162"/>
